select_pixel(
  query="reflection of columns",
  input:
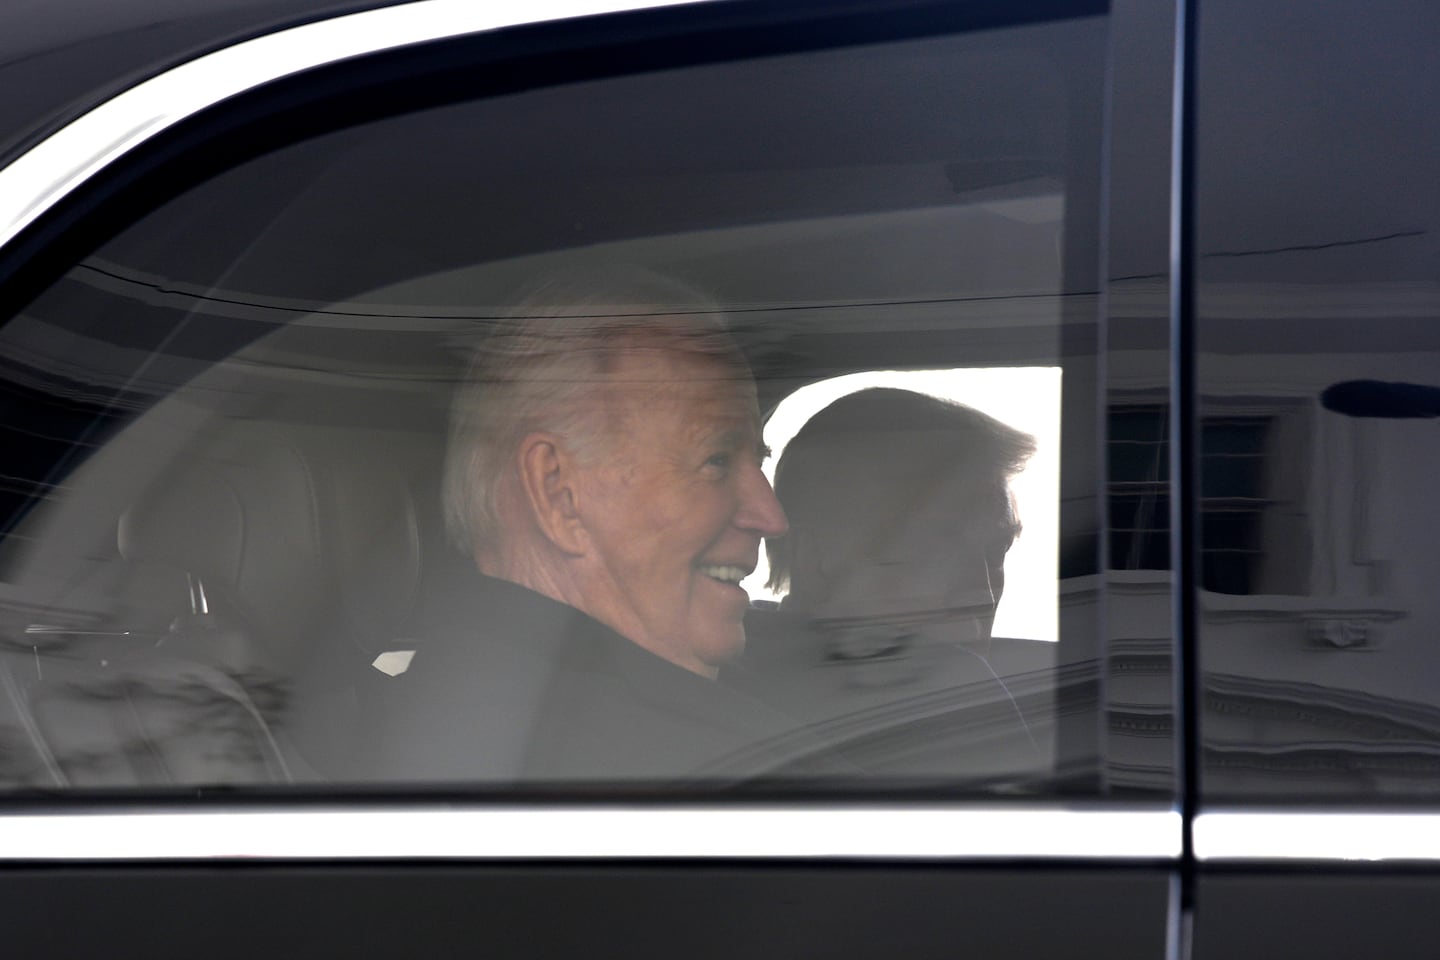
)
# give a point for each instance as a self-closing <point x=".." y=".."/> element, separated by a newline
<point x="1361" y="552"/>
<point x="1329" y="476"/>
<point x="1347" y="481"/>
<point x="1371" y="448"/>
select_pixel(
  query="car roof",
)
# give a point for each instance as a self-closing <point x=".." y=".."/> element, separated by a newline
<point x="59" y="58"/>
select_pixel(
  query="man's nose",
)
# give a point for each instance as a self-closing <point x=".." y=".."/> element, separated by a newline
<point x="760" y="509"/>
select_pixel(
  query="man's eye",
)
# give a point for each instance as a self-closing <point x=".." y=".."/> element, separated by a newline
<point x="719" y="461"/>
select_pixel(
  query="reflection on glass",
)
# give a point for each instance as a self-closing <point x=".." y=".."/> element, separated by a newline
<point x="1319" y="312"/>
<point x="225" y="556"/>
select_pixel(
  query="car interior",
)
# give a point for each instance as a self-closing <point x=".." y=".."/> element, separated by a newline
<point x="242" y="522"/>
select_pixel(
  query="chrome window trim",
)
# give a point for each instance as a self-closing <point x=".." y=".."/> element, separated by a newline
<point x="922" y="833"/>
<point x="1236" y="836"/>
<point x="41" y="177"/>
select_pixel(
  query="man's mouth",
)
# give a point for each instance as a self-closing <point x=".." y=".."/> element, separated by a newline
<point x="725" y="573"/>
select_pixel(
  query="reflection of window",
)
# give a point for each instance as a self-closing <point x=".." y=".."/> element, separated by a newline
<point x="1232" y="501"/>
<point x="1138" y="452"/>
<point x="1247" y="526"/>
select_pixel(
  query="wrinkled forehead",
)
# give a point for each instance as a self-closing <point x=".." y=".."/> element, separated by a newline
<point x="654" y="367"/>
<point x="657" y="394"/>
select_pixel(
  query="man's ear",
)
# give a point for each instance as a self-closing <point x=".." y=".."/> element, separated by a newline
<point x="548" y="482"/>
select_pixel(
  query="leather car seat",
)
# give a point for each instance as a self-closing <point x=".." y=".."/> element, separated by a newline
<point x="254" y="585"/>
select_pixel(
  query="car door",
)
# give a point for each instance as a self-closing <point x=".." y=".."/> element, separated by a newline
<point x="1314" y="260"/>
<point x="242" y="293"/>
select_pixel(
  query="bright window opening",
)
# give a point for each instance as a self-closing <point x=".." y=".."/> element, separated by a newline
<point x="1026" y="398"/>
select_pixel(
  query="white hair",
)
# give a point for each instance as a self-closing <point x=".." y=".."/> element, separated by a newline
<point x="540" y="370"/>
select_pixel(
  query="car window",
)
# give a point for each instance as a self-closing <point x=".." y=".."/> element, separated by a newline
<point x="226" y="558"/>
<point x="1316" y="305"/>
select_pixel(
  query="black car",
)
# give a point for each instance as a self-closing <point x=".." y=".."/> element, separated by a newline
<point x="1184" y="254"/>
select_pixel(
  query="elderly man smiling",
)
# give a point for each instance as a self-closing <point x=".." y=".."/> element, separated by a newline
<point x="604" y="473"/>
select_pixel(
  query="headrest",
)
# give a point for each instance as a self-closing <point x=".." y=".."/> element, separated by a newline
<point x="299" y="525"/>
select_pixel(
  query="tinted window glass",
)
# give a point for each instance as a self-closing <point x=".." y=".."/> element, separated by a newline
<point x="267" y="434"/>
<point x="1318" y="304"/>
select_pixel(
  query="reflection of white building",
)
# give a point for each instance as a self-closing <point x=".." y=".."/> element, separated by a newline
<point x="1319" y="672"/>
<point x="1319" y="608"/>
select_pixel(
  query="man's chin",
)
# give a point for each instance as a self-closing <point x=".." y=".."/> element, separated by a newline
<point x="721" y="648"/>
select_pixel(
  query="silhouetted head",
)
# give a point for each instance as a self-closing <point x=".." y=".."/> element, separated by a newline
<point x="900" y="515"/>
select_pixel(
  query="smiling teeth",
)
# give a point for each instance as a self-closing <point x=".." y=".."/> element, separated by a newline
<point x="731" y="575"/>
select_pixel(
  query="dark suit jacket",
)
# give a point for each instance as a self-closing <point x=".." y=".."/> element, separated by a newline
<point x="508" y="686"/>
